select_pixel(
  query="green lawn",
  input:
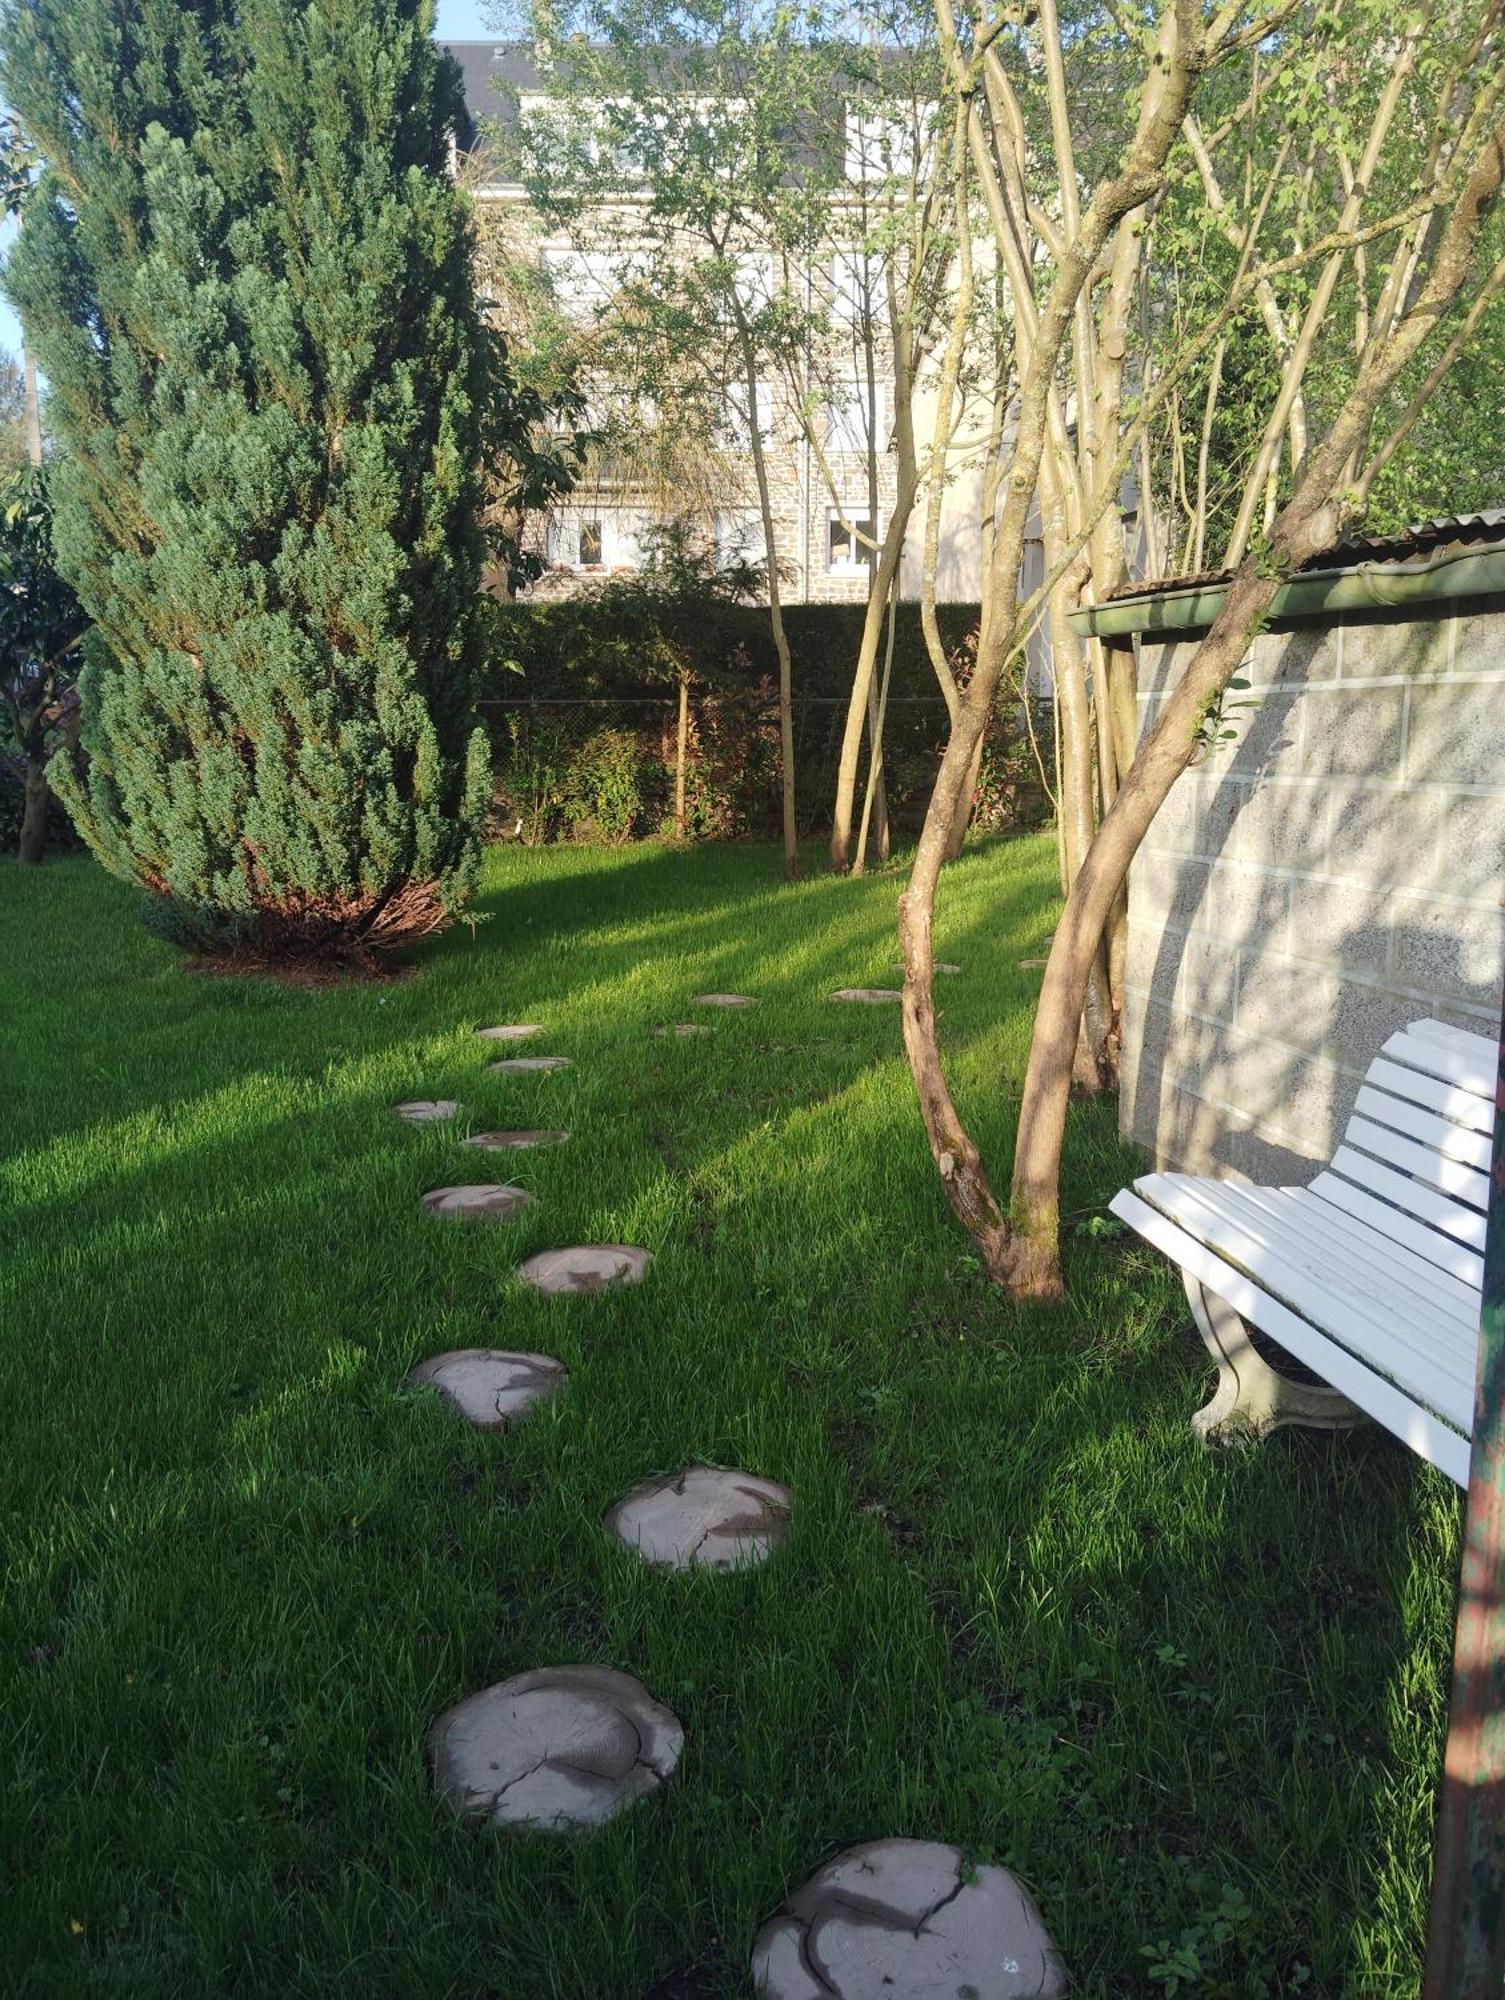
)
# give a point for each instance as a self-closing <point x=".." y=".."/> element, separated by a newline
<point x="1021" y="1608"/>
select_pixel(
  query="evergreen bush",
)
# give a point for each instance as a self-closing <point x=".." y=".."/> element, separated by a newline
<point x="247" y="277"/>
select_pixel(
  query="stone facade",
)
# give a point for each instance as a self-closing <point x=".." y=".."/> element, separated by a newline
<point x="1334" y="873"/>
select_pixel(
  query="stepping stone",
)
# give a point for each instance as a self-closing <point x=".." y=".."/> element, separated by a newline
<point x="560" y="1750"/>
<point x="427" y="1110"/>
<point x="515" y="1034"/>
<point x="524" y="1065"/>
<point x="1033" y="964"/>
<point x="869" y="996"/>
<point x="706" y="1517"/>
<point x="513" y="1142"/>
<point x="585" y="1267"/>
<point x="724" y="1000"/>
<point x="481" y="1201"/>
<point x="684" y="1029"/>
<point x="940" y="966"/>
<point x="907" y="1917"/>
<point x="489" y="1386"/>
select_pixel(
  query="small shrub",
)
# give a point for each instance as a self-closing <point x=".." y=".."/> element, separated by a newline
<point x="601" y="793"/>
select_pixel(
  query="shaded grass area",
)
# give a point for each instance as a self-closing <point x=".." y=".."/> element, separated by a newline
<point x="1196" y="1700"/>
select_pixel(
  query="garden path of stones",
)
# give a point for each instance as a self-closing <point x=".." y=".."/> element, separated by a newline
<point x="564" y="1749"/>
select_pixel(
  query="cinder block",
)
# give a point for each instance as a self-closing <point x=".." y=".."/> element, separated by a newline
<point x="1304" y="653"/>
<point x="1206" y="975"/>
<point x="1415" y="647"/>
<point x="1305" y="1097"/>
<point x="1248" y="907"/>
<point x="1456" y="734"/>
<point x="1449" y="948"/>
<point x="1363" y="1017"/>
<point x="1168" y="889"/>
<point x="1267" y="737"/>
<point x="1162" y="663"/>
<point x="1384" y="835"/>
<point x="1353" y="732"/>
<point x="1479" y="644"/>
<point x="1279" y="825"/>
<point x="1341" y="923"/>
<point x="1472" y="861"/>
<point x="1174" y="828"/>
<point x="1287" y="1000"/>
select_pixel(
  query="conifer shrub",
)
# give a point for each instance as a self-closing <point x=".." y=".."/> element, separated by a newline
<point x="247" y="277"/>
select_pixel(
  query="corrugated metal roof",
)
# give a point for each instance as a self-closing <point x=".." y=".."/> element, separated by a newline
<point x="1423" y="538"/>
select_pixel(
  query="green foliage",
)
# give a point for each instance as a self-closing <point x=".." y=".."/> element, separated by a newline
<point x="247" y="279"/>
<point x="41" y="626"/>
<point x="601" y="794"/>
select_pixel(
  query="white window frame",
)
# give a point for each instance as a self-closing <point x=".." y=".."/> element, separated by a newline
<point x="862" y="558"/>
<point x="735" y="425"/>
<point x="739" y="536"/>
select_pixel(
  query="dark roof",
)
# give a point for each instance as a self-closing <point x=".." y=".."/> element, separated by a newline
<point x="491" y="75"/>
<point x="1447" y="533"/>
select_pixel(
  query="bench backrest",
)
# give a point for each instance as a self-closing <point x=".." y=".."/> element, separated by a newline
<point x="1414" y="1161"/>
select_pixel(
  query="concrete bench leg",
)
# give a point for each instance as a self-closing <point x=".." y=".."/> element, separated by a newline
<point x="1252" y="1398"/>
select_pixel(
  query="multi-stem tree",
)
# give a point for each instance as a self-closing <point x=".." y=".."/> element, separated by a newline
<point x="247" y="276"/>
<point x="1418" y="213"/>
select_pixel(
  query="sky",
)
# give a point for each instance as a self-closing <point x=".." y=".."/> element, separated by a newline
<point x="457" y="21"/>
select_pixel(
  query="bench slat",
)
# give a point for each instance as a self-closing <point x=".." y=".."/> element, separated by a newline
<point x="1449" y="1100"/>
<point x="1452" y="1141"/>
<point x="1382" y="1339"/>
<point x="1450" y="1053"/>
<point x="1462" y="1183"/>
<point x="1421" y="1430"/>
<point x="1411" y="1196"/>
<point x="1381" y="1264"/>
<point x="1440" y="1250"/>
<point x="1336" y="1254"/>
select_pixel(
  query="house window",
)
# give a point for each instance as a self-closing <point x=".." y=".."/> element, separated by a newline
<point x="880" y="143"/>
<point x="738" y="431"/>
<point x="739" y="537"/>
<point x="846" y="415"/>
<point x="845" y="553"/>
<point x="590" y="543"/>
<point x="856" y="287"/>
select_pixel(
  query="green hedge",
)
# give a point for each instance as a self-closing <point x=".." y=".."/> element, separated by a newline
<point x="583" y="729"/>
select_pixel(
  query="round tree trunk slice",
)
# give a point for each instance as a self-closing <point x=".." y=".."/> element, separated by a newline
<point x="724" y="1000"/>
<point x="510" y="1034"/>
<point x="684" y="1029"/>
<point x="1033" y="964"/>
<point x="427" y="1110"/>
<point x="585" y="1267"/>
<point x="941" y="965"/>
<point x="513" y="1142"/>
<point x="481" y="1201"/>
<point x="525" y="1065"/>
<point x="560" y="1750"/>
<point x="707" y="1516"/>
<point x="907" y="1917"/>
<point x="870" y="996"/>
<point x="488" y="1386"/>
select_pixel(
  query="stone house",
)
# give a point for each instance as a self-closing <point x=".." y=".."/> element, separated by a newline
<point x="1338" y="869"/>
<point x="600" y="529"/>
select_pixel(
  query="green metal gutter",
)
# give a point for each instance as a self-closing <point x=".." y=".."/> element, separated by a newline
<point x="1315" y="594"/>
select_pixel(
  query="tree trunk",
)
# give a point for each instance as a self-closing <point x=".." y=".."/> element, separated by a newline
<point x="681" y="752"/>
<point x="862" y="680"/>
<point x="33" y="842"/>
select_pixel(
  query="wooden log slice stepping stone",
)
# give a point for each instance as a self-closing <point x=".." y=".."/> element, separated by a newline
<point x="907" y="1917"/>
<point x="427" y="1110"/>
<point x="585" y="1267"/>
<point x="513" y="1142"/>
<point x="525" y="1065"/>
<point x="1033" y="964"/>
<point x="488" y="1385"/>
<point x="724" y="1000"/>
<point x="941" y="965"/>
<point x="868" y="996"/>
<point x="481" y="1201"/>
<point x="707" y="1516"/>
<point x="560" y="1750"/>
<point x="684" y="1029"/>
<point x="510" y="1034"/>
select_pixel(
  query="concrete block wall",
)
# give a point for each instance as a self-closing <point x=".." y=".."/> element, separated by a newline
<point x="1334" y="873"/>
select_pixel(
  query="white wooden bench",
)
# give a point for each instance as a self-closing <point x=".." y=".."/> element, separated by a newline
<point x="1371" y="1276"/>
